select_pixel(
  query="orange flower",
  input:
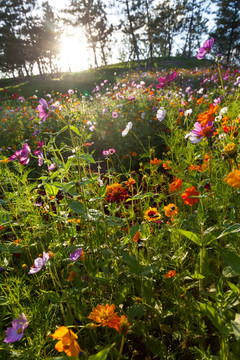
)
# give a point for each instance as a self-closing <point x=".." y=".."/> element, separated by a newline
<point x="67" y="341"/>
<point x="155" y="161"/>
<point x="170" y="210"/>
<point x="152" y="214"/>
<point x="170" y="274"/>
<point x="72" y="275"/>
<point x="120" y="324"/>
<point x="195" y="168"/>
<point x="189" y="196"/>
<point x="207" y="116"/>
<point x="233" y="179"/>
<point x="137" y="236"/>
<point x="130" y="182"/>
<point x="166" y="165"/>
<point x="103" y="314"/>
<point x="175" y="185"/>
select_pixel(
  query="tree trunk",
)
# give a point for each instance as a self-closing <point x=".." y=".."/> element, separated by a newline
<point x="133" y="35"/>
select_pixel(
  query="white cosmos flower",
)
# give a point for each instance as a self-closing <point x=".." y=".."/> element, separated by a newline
<point x="127" y="128"/>
<point x="161" y="113"/>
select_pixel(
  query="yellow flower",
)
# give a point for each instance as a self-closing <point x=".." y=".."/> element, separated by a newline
<point x="67" y="342"/>
<point x="103" y="314"/>
<point x="152" y="214"/>
<point x="233" y="179"/>
<point x="230" y="149"/>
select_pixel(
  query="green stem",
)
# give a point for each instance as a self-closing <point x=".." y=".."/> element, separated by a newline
<point x="121" y="347"/>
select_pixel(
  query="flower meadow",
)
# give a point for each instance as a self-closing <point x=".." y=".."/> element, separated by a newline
<point x="119" y="218"/>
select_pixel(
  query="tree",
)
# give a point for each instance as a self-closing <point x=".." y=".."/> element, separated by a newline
<point x="227" y="28"/>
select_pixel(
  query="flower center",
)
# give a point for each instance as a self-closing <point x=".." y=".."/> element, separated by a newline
<point x="19" y="331"/>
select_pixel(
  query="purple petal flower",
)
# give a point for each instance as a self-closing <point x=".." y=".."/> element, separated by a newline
<point x="25" y="154"/>
<point x="39" y="263"/>
<point x="43" y="110"/>
<point x="16" y="332"/>
<point x="76" y="254"/>
<point x="52" y="167"/>
<point x="205" y="49"/>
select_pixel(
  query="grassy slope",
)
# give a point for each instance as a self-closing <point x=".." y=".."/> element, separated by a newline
<point x="86" y="80"/>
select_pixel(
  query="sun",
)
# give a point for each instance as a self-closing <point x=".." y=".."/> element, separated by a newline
<point x="73" y="54"/>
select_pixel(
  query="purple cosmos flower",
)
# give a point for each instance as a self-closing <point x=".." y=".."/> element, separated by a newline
<point x="205" y="49"/>
<point x="104" y="110"/>
<point x="76" y="254"/>
<point x="52" y="167"/>
<point x="196" y="135"/>
<point x="39" y="263"/>
<point x="115" y="114"/>
<point x="23" y="155"/>
<point x="39" y="153"/>
<point x="164" y="81"/>
<point x="16" y="332"/>
<point x="43" y="110"/>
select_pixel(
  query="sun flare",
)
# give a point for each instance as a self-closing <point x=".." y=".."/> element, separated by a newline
<point x="74" y="53"/>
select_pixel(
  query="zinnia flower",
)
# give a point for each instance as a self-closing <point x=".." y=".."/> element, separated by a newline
<point x="205" y="49"/>
<point x="103" y="314"/>
<point x="39" y="263"/>
<point x="116" y="193"/>
<point x="152" y="214"/>
<point x="16" y="332"/>
<point x="233" y="179"/>
<point x="189" y="196"/>
<point x="67" y="341"/>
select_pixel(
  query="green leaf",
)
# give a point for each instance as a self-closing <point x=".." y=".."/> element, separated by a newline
<point x="230" y="258"/>
<point x="191" y="236"/>
<point x="74" y="129"/>
<point x="236" y="327"/>
<point x="3" y="300"/>
<point x="101" y="355"/>
<point x="142" y="196"/>
<point x="77" y="207"/>
<point x="134" y="229"/>
<point x="213" y="316"/>
<point x="11" y="249"/>
<point x="87" y="157"/>
<point x="61" y="131"/>
<point x="228" y="272"/>
<point x="136" y="311"/>
<point x="231" y="229"/>
<point x="132" y="263"/>
<point x="52" y="296"/>
<point x="51" y="190"/>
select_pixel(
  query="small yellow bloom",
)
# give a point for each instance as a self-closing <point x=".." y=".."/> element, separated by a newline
<point x="233" y="179"/>
<point x="230" y="149"/>
<point x="103" y="314"/>
<point x="67" y="341"/>
<point x="152" y="214"/>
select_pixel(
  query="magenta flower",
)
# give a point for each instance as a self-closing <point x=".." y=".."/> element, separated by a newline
<point x="39" y="153"/>
<point x="108" y="152"/>
<point x="23" y="155"/>
<point x="52" y="167"/>
<point x="16" y="332"/>
<point x="115" y="114"/>
<point x="205" y="49"/>
<point x="164" y="81"/>
<point x="43" y="110"/>
<point x="39" y="263"/>
<point x="76" y="254"/>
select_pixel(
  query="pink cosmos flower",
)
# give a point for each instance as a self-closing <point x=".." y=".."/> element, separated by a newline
<point x="39" y="263"/>
<point x="76" y="254"/>
<point x="43" y="110"/>
<point x="196" y="135"/>
<point x="23" y="155"/>
<point x="115" y="114"/>
<point x="52" y="167"/>
<point x="39" y="153"/>
<point x="164" y="81"/>
<point x="16" y="332"/>
<point x="108" y="152"/>
<point x="205" y="49"/>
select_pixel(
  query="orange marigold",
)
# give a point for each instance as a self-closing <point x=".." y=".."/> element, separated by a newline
<point x="189" y="196"/>
<point x="103" y="314"/>
<point x="175" y="185"/>
<point x="67" y="341"/>
<point x="170" y="210"/>
<point x="120" y="324"/>
<point x="233" y="179"/>
<point x="152" y="214"/>
<point x="130" y="182"/>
